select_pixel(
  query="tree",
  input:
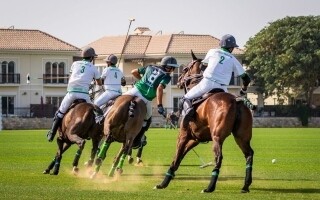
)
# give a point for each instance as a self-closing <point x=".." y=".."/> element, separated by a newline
<point x="283" y="59"/>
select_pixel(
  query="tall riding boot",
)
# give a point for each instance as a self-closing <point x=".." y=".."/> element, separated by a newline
<point x="56" y="123"/>
<point x="188" y="112"/>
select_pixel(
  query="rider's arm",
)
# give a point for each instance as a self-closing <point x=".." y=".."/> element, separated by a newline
<point x="246" y="80"/>
<point x="136" y="74"/>
<point x="99" y="82"/>
<point x="160" y="94"/>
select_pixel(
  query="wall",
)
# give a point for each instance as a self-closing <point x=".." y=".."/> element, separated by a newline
<point x="15" y="123"/>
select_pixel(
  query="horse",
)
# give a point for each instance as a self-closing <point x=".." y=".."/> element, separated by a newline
<point x="77" y="126"/>
<point x="172" y="119"/>
<point x="122" y="124"/>
<point x="216" y="117"/>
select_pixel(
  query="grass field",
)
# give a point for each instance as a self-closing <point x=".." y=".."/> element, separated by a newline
<point x="24" y="154"/>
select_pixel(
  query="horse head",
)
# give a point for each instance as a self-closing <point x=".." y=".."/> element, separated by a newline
<point x="192" y="73"/>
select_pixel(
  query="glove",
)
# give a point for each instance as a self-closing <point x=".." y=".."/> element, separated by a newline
<point x="243" y="92"/>
<point x="160" y="109"/>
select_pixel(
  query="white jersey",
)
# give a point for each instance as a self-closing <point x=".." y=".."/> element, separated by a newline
<point x="221" y="64"/>
<point x="82" y="74"/>
<point x="112" y="78"/>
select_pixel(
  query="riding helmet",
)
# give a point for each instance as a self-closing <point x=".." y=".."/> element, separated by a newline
<point x="228" y="41"/>
<point x="88" y="52"/>
<point x="112" y="59"/>
<point x="169" y="61"/>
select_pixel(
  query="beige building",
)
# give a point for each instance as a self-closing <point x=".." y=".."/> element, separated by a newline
<point x="47" y="60"/>
<point x="41" y="56"/>
<point x="143" y="48"/>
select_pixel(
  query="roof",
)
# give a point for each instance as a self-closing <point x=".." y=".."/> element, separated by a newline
<point x="24" y="39"/>
<point x="157" y="44"/>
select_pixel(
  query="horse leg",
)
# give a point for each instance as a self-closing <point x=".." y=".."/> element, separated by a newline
<point x="248" y="154"/>
<point x="62" y="147"/>
<point x="51" y="165"/>
<point x="81" y="143"/>
<point x="101" y="155"/>
<point x="217" y="148"/>
<point x="116" y="162"/>
<point x="184" y="145"/>
<point x="130" y="158"/>
<point x="94" y="152"/>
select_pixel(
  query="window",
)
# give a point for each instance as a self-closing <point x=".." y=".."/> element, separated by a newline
<point x="7" y="72"/>
<point x="175" y="104"/>
<point x="234" y="80"/>
<point x="176" y="75"/>
<point x="55" y="72"/>
<point x="7" y="105"/>
<point x="56" y="101"/>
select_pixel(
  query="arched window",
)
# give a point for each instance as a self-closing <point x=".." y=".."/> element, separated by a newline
<point x="53" y="72"/>
<point x="7" y="72"/>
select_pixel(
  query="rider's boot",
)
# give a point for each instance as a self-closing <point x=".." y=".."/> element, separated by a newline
<point x="56" y="123"/>
<point x="186" y="110"/>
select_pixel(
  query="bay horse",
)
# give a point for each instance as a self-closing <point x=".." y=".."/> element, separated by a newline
<point x="215" y="119"/>
<point x="77" y="126"/>
<point x="122" y="124"/>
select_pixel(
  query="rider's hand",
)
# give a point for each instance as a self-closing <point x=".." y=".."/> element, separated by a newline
<point x="160" y="109"/>
<point x="243" y="92"/>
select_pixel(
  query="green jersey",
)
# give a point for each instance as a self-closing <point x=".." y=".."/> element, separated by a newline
<point x="152" y="77"/>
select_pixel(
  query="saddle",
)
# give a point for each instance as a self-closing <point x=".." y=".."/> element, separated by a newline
<point x="195" y="102"/>
<point x="96" y="110"/>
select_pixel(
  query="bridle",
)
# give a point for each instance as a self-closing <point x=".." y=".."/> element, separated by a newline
<point x="93" y="92"/>
<point x="187" y="77"/>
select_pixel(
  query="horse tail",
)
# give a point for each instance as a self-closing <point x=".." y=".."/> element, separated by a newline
<point x="132" y="107"/>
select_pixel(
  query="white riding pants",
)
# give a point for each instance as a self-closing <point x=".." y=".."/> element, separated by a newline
<point x="105" y="97"/>
<point x="135" y="92"/>
<point x="205" y="85"/>
<point x="68" y="99"/>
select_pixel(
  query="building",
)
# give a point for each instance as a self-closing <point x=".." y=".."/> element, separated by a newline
<point x="142" y="48"/>
<point x="46" y="60"/>
<point x="43" y="58"/>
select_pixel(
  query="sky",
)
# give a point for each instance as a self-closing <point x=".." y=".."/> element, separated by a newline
<point x="80" y="22"/>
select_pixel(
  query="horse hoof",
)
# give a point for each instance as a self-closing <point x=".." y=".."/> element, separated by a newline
<point x="119" y="171"/>
<point x="93" y="175"/>
<point x="54" y="173"/>
<point x="158" y="187"/>
<point x="46" y="171"/>
<point x="75" y="170"/>
<point x="245" y="191"/>
<point x="206" y="191"/>
<point x="130" y="160"/>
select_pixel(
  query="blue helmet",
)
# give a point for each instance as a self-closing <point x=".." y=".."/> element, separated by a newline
<point x="228" y="41"/>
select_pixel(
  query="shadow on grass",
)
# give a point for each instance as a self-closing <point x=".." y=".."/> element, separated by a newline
<point x="296" y="190"/>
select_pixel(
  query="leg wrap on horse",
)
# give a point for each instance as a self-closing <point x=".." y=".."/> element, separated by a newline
<point x="169" y="176"/>
<point x="213" y="182"/>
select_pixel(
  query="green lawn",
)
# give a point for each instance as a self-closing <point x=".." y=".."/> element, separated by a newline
<point x="24" y="154"/>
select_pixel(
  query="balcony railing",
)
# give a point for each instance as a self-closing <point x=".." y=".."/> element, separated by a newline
<point x="55" y="78"/>
<point x="9" y="78"/>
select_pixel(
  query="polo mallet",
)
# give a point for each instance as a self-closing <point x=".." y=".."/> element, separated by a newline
<point x="201" y="160"/>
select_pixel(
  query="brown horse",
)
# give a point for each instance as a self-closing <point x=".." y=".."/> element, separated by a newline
<point x="77" y="125"/>
<point x="123" y="122"/>
<point x="215" y="119"/>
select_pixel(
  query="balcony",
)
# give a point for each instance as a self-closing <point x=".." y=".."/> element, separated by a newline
<point x="9" y="78"/>
<point x="55" y="78"/>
